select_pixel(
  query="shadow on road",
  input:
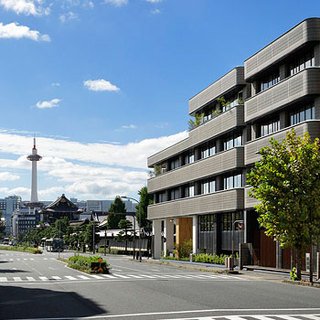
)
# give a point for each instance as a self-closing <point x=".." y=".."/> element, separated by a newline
<point x="19" y="302"/>
<point x="12" y="271"/>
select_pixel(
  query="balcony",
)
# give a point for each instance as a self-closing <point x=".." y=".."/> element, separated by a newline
<point x="252" y="147"/>
<point x="223" y="161"/>
<point x="249" y="202"/>
<point x="218" y="88"/>
<point x="306" y="82"/>
<point x="306" y="31"/>
<point x="227" y="200"/>
<point x="216" y="126"/>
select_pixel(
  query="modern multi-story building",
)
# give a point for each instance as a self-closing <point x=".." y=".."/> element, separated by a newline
<point x="23" y="221"/>
<point x="7" y="206"/>
<point x="200" y="190"/>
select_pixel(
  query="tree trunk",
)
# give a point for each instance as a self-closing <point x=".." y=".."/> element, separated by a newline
<point x="298" y="262"/>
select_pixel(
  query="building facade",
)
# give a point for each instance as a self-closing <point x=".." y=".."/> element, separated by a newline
<point x="199" y="187"/>
<point x="7" y="206"/>
<point x="23" y="221"/>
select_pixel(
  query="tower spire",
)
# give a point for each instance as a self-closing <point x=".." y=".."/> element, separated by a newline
<point x="34" y="158"/>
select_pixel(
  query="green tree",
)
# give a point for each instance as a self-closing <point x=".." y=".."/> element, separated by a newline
<point x="119" y="209"/>
<point x="145" y="200"/>
<point x="286" y="182"/>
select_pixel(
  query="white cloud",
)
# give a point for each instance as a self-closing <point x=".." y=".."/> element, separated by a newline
<point x="55" y="84"/>
<point x="68" y="16"/>
<point x="100" y="85"/>
<point x="133" y="155"/>
<point x="155" y="11"/>
<point x="8" y="176"/>
<point x="87" y="171"/>
<point x="27" y="7"/>
<point x="130" y="126"/>
<point x="154" y="1"/>
<point x="15" y="31"/>
<point x="48" y="104"/>
<point x="117" y="3"/>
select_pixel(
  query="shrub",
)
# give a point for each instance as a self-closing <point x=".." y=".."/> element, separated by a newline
<point x="184" y="250"/>
<point x="83" y="263"/>
<point x="210" y="258"/>
<point x="22" y="249"/>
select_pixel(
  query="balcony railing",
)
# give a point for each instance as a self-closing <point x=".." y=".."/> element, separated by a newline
<point x="306" y="82"/>
<point x="218" y="163"/>
<point x="226" y="200"/>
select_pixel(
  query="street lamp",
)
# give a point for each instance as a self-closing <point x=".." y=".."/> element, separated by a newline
<point x="134" y="231"/>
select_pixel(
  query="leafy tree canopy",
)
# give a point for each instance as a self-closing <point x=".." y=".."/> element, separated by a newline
<point x="145" y="200"/>
<point x="118" y="206"/>
<point x="286" y="182"/>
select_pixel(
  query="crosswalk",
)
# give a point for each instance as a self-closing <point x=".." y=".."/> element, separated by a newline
<point x="257" y="317"/>
<point x="117" y="276"/>
<point x="30" y="259"/>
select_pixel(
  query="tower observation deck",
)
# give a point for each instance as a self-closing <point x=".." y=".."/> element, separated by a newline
<point x="34" y="158"/>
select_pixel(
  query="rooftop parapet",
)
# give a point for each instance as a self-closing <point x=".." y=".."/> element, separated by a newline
<point x="306" y="31"/>
<point x="226" y="83"/>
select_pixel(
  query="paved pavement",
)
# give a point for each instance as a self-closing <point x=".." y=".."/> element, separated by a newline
<point x="40" y="287"/>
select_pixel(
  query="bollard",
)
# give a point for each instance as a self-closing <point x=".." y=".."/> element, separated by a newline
<point x="191" y="257"/>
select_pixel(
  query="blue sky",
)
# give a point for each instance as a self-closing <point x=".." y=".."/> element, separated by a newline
<point x="103" y="84"/>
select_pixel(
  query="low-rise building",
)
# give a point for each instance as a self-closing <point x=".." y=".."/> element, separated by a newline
<point x="200" y="190"/>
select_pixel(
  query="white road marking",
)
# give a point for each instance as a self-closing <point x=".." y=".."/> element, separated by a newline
<point x="31" y="279"/>
<point x="70" y="278"/>
<point x="3" y="279"/>
<point x="147" y="276"/>
<point x="43" y="278"/>
<point x="17" y="279"/>
<point x="55" y="277"/>
<point x="96" y="276"/>
<point x="135" y="276"/>
<point x="109" y="276"/>
<point x="120" y="276"/>
<point x="84" y="277"/>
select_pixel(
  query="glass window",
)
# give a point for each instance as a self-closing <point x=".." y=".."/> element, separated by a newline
<point x="269" y="81"/>
<point x="269" y="127"/>
<point x="302" y="114"/>
<point x="238" y="181"/>
<point x="191" y="157"/>
<point x="205" y="187"/>
<point x="232" y="141"/>
<point x="212" y="186"/>
<point x="191" y="191"/>
<point x="301" y="63"/>
<point x="212" y="150"/>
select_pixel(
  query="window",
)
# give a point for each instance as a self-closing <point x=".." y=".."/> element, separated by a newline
<point x="162" y="196"/>
<point x="233" y="181"/>
<point x="208" y="150"/>
<point x="302" y="114"/>
<point x="174" y="164"/>
<point x="232" y="141"/>
<point x="269" y="81"/>
<point x="174" y="194"/>
<point x="226" y="221"/>
<point x="208" y="186"/>
<point x="301" y="63"/>
<point x="191" y="157"/>
<point x="191" y="191"/>
<point x="206" y="223"/>
<point x="269" y="127"/>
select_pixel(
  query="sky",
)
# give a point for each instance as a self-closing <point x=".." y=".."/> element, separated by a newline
<point x="103" y="84"/>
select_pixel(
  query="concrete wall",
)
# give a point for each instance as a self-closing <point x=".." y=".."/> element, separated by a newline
<point x="307" y="30"/>
<point x="220" y="87"/>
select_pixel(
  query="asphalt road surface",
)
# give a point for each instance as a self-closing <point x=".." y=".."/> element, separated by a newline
<point x="40" y="287"/>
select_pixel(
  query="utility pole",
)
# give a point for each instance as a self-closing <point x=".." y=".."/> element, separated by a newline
<point x="93" y="231"/>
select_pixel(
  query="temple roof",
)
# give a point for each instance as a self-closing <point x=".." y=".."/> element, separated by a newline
<point x="62" y="204"/>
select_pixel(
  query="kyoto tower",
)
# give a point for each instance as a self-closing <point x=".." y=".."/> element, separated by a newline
<point x="34" y="157"/>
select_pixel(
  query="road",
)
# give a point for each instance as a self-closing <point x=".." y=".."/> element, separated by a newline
<point x="40" y="287"/>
